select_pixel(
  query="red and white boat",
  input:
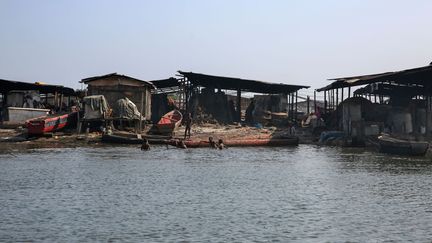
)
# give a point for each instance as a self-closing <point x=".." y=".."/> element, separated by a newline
<point x="50" y="123"/>
<point x="169" y="122"/>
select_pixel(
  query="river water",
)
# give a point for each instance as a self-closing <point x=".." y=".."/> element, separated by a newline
<point x="298" y="194"/>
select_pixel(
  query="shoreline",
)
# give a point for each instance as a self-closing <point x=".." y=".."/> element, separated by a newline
<point x="15" y="139"/>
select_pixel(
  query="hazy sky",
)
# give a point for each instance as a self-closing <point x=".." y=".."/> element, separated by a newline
<point x="295" y="42"/>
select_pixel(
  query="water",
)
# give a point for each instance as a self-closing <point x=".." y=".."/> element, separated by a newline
<point x="303" y="194"/>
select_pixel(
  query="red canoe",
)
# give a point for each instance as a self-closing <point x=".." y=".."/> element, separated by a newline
<point x="46" y="124"/>
<point x="169" y="122"/>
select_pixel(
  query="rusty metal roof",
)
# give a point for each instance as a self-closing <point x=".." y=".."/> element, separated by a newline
<point x="247" y="85"/>
<point x="165" y="83"/>
<point x="414" y="76"/>
<point x="9" y="85"/>
<point x="91" y="79"/>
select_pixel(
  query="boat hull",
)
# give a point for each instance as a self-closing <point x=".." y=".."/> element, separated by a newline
<point x="41" y="125"/>
<point x="169" y="122"/>
<point x="118" y="139"/>
<point x="402" y="147"/>
<point x="294" y="141"/>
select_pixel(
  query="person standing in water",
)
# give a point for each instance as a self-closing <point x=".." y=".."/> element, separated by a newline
<point x="212" y="143"/>
<point x="220" y="144"/>
<point x="145" y="145"/>
<point x="188" y="125"/>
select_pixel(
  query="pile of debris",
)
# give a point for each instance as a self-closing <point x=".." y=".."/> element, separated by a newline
<point x="201" y="117"/>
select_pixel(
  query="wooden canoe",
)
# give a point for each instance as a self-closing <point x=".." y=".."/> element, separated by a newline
<point x="169" y="122"/>
<point x="122" y="139"/>
<point x="292" y="141"/>
<point x="390" y="145"/>
<point x="51" y="123"/>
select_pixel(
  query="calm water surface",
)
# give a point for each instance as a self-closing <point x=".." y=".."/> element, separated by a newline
<point x="303" y="194"/>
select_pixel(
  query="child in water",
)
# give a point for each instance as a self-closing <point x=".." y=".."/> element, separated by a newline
<point x="212" y="143"/>
<point x="221" y="145"/>
<point x="145" y="145"/>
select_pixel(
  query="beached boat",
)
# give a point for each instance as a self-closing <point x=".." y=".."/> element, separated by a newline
<point x="390" y="145"/>
<point x="288" y="141"/>
<point x="50" y="123"/>
<point x="169" y="122"/>
<point x="132" y="139"/>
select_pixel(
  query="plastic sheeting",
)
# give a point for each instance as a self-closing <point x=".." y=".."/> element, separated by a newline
<point x="95" y="107"/>
<point x="126" y="109"/>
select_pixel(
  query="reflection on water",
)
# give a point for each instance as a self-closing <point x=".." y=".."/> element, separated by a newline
<point x="240" y="194"/>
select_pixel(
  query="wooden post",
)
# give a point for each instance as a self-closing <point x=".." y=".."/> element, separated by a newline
<point x="428" y="106"/>
<point x="141" y="111"/>
<point x="55" y="99"/>
<point x="349" y="92"/>
<point x="315" y="104"/>
<point x="325" y="101"/>
<point x="342" y="95"/>
<point x="289" y="105"/>
<point x="296" y="101"/>
<point x="333" y="99"/>
<point x="238" y="104"/>
<point x="61" y="101"/>
<point x="292" y="105"/>
<point x="308" y="101"/>
<point x="337" y="98"/>
<point x="330" y="94"/>
<point x="5" y="99"/>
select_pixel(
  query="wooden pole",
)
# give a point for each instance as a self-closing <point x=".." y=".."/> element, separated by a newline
<point x="337" y="98"/>
<point x="141" y="111"/>
<point x="61" y="101"/>
<point x="55" y="99"/>
<point x="292" y="105"/>
<point x="238" y="104"/>
<point x="331" y="98"/>
<point x="296" y="101"/>
<point x="308" y="101"/>
<point x="325" y="101"/>
<point x="289" y="103"/>
<point x="315" y="104"/>
<point x="349" y="92"/>
<point x="342" y="97"/>
<point x="428" y="106"/>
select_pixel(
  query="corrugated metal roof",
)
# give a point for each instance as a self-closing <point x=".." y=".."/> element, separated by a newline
<point x="8" y="85"/>
<point x="165" y="83"/>
<point x="419" y="76"/>
<point x="247" y="85"/>
<point x="91" y="79"/>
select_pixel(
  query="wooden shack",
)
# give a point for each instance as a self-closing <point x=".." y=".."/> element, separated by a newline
<point x="116" y="86"/>
<point x="398" y="102"/>
<point x="208" y="95"/>
<point x="20" y="101"/>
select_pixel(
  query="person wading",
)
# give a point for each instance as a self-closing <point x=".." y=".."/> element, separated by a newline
<point x="212" y="143"/>
<point x="145" y="145"/>
<point x="221" y="144"/>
